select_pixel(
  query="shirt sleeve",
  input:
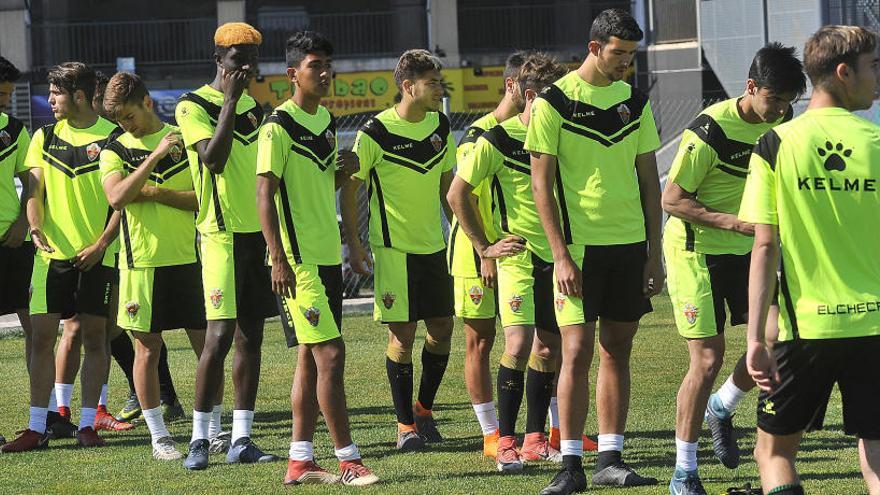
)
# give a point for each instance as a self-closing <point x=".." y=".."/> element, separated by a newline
<point x="649" y="140"/>
<point x="110" y="163"/>
<point x="693" y="161"/>
<point x="479" y="164"/>
<point x="368" y="154"/>
<point x="34" y="158"/>
<point x="194" y="123"/>
<point x="23" y="142"/>
<point x="272" y="150"/>
<point x="759" y="197"/>
<point x="450" y="158"/>
<point x="545" y="124"/>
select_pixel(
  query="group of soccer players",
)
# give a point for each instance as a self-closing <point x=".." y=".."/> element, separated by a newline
<point x="556" y="228"/>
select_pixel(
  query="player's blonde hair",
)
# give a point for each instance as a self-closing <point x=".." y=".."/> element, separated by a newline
<point x="538" y="71"/>
<point x="414" y="63"/>
<point x="237" y="33"/>
<point x="123" y="88"/>
<point x="831" y="46"/>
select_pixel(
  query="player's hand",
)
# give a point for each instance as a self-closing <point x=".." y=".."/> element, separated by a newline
<point x="508" y="246"/>
<point x="488" y="272"/>
<point x="233" y="82"/>
<point x="761" y="365"/>
<point x="360" y="260"/>
<point x="15" y="234"/>
<point x="39" y="240"/>
<point x="744" y="228"/>
<point x="168" y="142"/>
<point x="653" y="277"/>
<point x="347" y="162"/>
<point x="148" y="193"/>
<point x="283" y="279"/>
<point x="569" y="279"/>
<point x="88" y="258"/>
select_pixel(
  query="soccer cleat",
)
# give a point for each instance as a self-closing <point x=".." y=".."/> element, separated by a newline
<point x="64" y="411"/>
<point x="720" y="423"/>
<point x="197" y="458"/>
<point x="425" y="424"/>
<point x="307" y="473"/>
<point x="686" y="483"/>
<point x="131" y="410"/>
<point x="26" y="441"/>
<point x="172" y="412"/>
<point x="245" y="451"/>
<point x="620" y="474"/>
<point x="490" y="444"/>
<point x="508" y="458"/>
<point x="408" y="439"/>
<point x="165" y="450"/>
<point x="565" y="482"/>
<point x="219" y="444"/>
<point x="354" y="473"/>
<point x="105" y="422"/>
<point x="590" y="445"/>
<point x="536" y="447"/>
<point x="88" y="437"/>
<point x="57" y="426"/>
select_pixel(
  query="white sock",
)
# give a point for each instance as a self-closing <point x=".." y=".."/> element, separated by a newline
<point x="37" y="421"/>
<point x="301" y="451"/>
<point x="730" y="395"/>
<point x="350" y="453"/>
<point x="554" y="412"/>
<point x="214" y="425"/>
<point x="53" y="403"/>
<point x="102" y="401"/>
<point x="572" y="447"/>
<point x="87" y="417"/>
<point x="487" y="417"/>
<point x="241" y="424"/>
<point x="611" y="441"/>
<point x="686" y="455"/>
<point x="63" y="391"/>
<point x="155" y="423"/>
<point x="201" y="420"/>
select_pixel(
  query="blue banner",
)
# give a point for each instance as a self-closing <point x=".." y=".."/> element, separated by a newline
<point x="164" y="102"/>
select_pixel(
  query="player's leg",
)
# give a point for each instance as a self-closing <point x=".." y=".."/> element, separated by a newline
<point x="479" y="337"/>
<point x="93" y="374"/>
<point x="775" y="456"/>
<point x="540" y="388"/>
<point x="869" y="459"/>
<point x="104" y="421"/>
<point x="122" y="350"/>
<point x="511" y="388"/>
<point x="246" y="374"/>
<point x="399" y="368"/>
<point x="148" y="346"/>
<point x="67" y="363"/>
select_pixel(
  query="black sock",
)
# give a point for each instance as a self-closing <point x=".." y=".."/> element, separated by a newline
<point x="167" y="394"/>
<point x="122" y="351"/>
<point x="433" y="369"/>
<point x="510" y="394"/>
<point x="400" y="376"/>
<point x="539" y="390"/>
<point x="607" y="458"/>
<point x="787" y="490"/>
<point x="573" y="462"/>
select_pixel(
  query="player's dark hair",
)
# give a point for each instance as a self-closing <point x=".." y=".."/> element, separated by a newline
<point x="615" y="22"/>
<point x="303" y="43"/>
<point x="122" y="89"/>
<point x="538" y="71"/>
<point x="8" y="72"/>
<point x="514" y="62"/>
<point x="777" y="68"/>
<point x="414" y="63"/>
<point x="831" y="46"/>
<point x="71" y="77"/>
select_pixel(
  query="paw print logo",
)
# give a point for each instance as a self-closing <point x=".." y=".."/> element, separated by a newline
<point x="833" y="158"/>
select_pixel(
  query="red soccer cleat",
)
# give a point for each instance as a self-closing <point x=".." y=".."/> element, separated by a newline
<point x="27" y="441"/>
<point x="104" y="421"/>
<point x="307" y="473"/>
<point x="88" y="437"/>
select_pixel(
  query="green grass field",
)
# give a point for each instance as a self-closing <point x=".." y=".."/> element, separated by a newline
<point x="828" y="463"/>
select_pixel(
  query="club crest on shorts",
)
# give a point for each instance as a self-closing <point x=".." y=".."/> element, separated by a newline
<point x="175" y="153"/>
<point x="624" y="112"/>
<point x="436" y="142"/>
<point x="331" y="138"/>
<point x="92" y="151"/>
<point x="388" y="300"/>
<point x="132" y="308"/>
<point x="476" y="294"/>
<point x="515" y="303"/>
<point x="691" y="312"/>
<point x="5" y="137"/>
<point x="216" y="296"/>
<point x="312" y="314"/>
<point x="253" y="119"/>
<point x="559" y="302"/>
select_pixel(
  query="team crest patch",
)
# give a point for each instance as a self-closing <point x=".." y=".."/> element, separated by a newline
<point x="559" y="302"/>
<point x="132" y="309"/>
<point x="5" y="137"/>
<point x="253" y="119"/>
<point x="624" y="113"/>
<point x="476" y="294"/>
<point x="175" y="153"/>
<point x="331" y="138"/>
<point x="312" y="314"/>
<point x="388" y="299"/>
<point x="691" y="312"/>
<point x="216" y="296"/>
<point x="436" y="142"/>
<point x="515" y="303"/>
<point x="92" y="151"/>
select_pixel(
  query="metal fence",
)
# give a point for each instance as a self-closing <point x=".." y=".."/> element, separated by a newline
<point x="855" y="12"/>
<point x="673" y="21"/>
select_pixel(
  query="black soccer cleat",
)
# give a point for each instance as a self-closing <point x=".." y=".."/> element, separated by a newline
<point x="565" y="482"/>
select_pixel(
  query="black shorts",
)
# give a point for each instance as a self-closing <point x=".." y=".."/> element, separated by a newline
<point x="729" y="277"/>
<point x="162" y="298"/>
<point x="411" y="287"/>
<point x="16" y="265"/>
<point x="545" y="316"/>
<point x="59" y="287"/>
<point x="808" y="371"/>
<point x="612" y="282"/>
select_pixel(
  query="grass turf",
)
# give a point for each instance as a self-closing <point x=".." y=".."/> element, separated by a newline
<point x="828" y="462"/>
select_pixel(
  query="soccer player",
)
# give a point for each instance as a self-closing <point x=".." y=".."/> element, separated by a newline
<point x="525" y="277"/>
<point x="71" y="225"/>
<point x="407" y="153"/>
<point x="812" y="189"/>
<point x="474" y="276"/>
<point x="707" y="249"/>
<point x="592" y="138"/>
<point x="296" y="194"/>
<point x="145" y="177"/>
<point x="219" y="122"/>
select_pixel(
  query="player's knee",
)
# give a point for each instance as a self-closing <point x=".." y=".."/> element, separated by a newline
<point x="440" y="328"/>
<point x="514" y="362"/>
<point x="399" y="352"/>
<point x="543" y="360"/>
<point x="438" y="345"/>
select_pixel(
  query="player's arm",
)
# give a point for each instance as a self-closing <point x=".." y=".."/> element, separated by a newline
<point x="347" y="163"/>
<point x="214" y="152"/>
<point x="35" y="210"/>
<point x="649" y="190"/>
<point x="17" y="231"/>
<point x="568" y="274"/>
<point x="349" y="210"/>
<point x="445" y="182"/>
<point x="283" y="278"/>
<point x="86" y="259"/>
<point x="181" y="200"/>
<point x="762" y="284"/>
<point x="121" y="190"/>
